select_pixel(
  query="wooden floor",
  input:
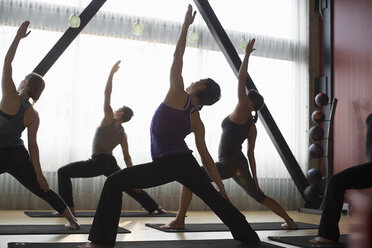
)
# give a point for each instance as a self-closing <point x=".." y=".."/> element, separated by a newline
<point x="141" y="233"/>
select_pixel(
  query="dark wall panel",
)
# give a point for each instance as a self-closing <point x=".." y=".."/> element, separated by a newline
<point x="352" y="79"/>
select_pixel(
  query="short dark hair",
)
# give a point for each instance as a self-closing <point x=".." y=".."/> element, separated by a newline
<point x="258" y="102"/>
<point x="128" y="113"/>
<point x="35" y="86"/>
<point x="210" y="95"/>
<point x="257" y="99"/>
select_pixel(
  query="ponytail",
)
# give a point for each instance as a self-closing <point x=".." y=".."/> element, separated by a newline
<point x="258" y="102"/>
<point x="255" y="116"/>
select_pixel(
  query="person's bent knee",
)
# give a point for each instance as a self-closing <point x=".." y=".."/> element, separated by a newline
<point x="260" y="198"/>
<point x="61" y="172"/>
<point x="113" y="181"/>
<point x="336" y="181"/>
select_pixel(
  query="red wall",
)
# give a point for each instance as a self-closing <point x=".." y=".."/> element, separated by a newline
<point x="352" y="79"/>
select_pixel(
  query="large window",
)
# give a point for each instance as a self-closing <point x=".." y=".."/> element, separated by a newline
<point x="71" y="106"/>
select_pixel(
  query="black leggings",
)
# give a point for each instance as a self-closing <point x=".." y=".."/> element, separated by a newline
<point x="16" y="161"/>
<point x="237" y="169"/>
<point x="357" y="177"/>
<point x="181" y="168"/>
<point x="104" y="164"/>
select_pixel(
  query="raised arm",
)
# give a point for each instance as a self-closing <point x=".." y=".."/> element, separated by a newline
<point x="243" y="71"/>
<point x="7" y="84"/>
<point x="206" y="158"/>
<point x="176" y="80"/>
<point x="33" y="147"/>
<point x="109" y="114"/>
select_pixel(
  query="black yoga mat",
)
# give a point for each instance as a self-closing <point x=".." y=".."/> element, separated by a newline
<point x="303" y="241"/>
<point x="220" y="227"/>
<point x="91" y="214"/>
<point x="47" y="229"/>
<point x="215" y="243"/>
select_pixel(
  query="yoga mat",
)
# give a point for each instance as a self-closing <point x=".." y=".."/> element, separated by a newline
<point x="91" y="214"/>
<point x="47" y="229"/>
<point x="303" y="241"/>
<point x="215" y="243"/>
<point x="220" y="227"/>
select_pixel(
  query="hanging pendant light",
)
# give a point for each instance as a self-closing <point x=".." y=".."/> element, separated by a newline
<point x="243" y="43"/>
<point x="193" y="36"/>
<point x="137" y="29"/>
<point x="74" y="21"/>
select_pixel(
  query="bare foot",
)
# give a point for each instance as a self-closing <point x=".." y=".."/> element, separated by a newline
<point x="320" y="240"/>
<point x="160" y="210"/>
<point x="290" y="224"/>
<point x="93" y="245"/>
<point x="174" y="225"/>
<point x="73" y="224"/>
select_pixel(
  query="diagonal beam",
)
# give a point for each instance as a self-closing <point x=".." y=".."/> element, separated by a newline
<point x="267" y="120"/>
<point x="66" y="39"/>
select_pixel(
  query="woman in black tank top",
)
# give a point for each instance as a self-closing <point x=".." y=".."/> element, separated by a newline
<point x="242" y="119"/>
<point x="242" y="127"/>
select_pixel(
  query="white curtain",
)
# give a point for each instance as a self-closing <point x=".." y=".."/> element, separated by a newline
<point x="71" y="106"/>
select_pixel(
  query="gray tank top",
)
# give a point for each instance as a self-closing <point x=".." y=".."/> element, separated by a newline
<point x="107" y="138"/>
<point x="11" y="126"/>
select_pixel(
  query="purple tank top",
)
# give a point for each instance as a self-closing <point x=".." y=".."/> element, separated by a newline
<point x="169" y="127"/>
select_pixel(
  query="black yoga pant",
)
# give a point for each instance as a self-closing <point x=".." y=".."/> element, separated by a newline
<point x="16" y="161"/>
<point x="181" y="168"/>
<point x="104" y="164"/>
<point x="239" y="171"/>
<point x="357" y="177"/>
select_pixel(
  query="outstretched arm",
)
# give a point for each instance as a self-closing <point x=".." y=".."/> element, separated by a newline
<point x="34" y="149"/>
<point x="176" y="80"/>
<point x="125" y="150"/>
<point x="7" y="84"/>
<point x="127" y="157"/>
<point x="243" y="71"/>
<point x="252" y="135"/>
<point x="109" y="114"/>
<point x="207" y="160"/>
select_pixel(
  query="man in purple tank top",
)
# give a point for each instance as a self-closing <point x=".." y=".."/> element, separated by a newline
<point x="176" y="117"/>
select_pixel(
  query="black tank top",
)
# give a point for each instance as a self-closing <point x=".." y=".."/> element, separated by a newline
<point x="11" y="126"/>
<point x="232" y="138"/>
